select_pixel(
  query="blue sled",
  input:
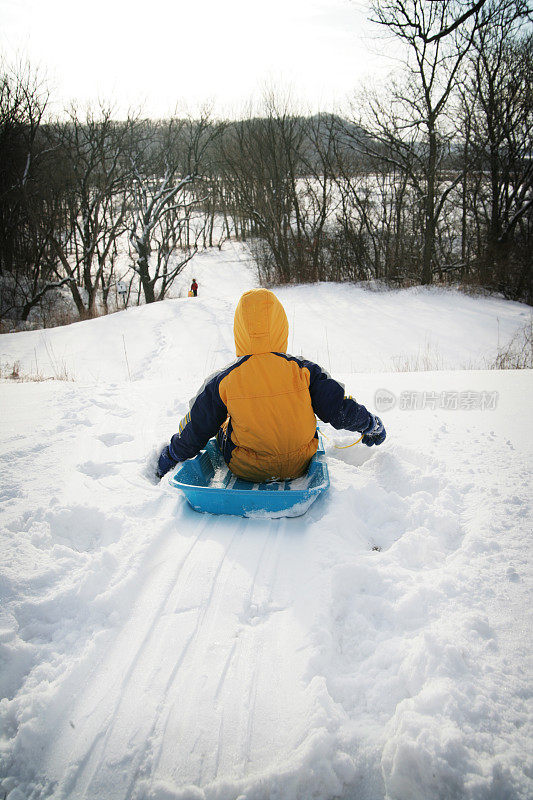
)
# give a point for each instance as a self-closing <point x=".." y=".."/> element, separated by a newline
<point x="209" y="486"/>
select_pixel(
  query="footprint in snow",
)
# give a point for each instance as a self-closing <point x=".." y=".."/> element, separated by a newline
<point x="83" y="528"/>
<point x="95" y="470"/>
<point x="113" y="439"/>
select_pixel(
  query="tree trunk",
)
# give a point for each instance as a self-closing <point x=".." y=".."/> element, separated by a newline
<point x="429" y="211"/>
<point x="143" y="251"/>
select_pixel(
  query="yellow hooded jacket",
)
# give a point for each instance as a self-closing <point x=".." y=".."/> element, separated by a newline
<point x="273" y="425"/>
<point x="263" y="405"/>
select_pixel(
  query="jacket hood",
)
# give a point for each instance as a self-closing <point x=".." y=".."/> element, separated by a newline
<point x="260" y="324"/>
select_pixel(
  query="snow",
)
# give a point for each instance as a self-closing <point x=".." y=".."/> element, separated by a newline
<point x="377" y="647"/>
<point x="358" y="330"/>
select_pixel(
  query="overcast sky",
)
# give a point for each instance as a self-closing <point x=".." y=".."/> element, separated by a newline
<point x="160" y="55"/>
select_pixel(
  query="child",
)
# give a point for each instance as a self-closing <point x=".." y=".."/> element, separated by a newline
<point x="262" y="406"/>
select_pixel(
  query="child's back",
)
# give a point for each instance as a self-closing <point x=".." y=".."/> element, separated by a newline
<point x="263" y="406"/>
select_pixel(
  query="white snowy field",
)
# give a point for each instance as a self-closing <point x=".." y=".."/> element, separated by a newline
<point x="153" y="653"/>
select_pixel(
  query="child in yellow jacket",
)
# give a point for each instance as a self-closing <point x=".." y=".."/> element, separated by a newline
<point x="262" y="407"/>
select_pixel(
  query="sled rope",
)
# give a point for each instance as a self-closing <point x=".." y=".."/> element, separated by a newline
<point x="343" y="446"/>
<point x="346" y="446"/>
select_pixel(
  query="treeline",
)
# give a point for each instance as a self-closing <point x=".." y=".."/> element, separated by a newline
<point x="428" y="182"/>
<point x="89" y="202"/>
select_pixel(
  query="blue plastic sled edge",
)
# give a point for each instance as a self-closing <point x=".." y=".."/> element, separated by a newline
<point x="209" y="486"/>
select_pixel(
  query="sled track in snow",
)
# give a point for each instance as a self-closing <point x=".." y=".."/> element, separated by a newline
<point x="105" y="734"/>
<point x="158" y="725"/>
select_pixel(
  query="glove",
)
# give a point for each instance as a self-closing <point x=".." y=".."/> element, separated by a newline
<point x="374" y="433"/>
<point x="165" y="463"/>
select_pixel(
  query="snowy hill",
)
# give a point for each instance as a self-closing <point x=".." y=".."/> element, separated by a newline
<point x="375" y="648"/>
<point x="341" y="326"/>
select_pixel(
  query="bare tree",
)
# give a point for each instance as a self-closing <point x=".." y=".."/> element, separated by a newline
<point x="263" y="159"/>
<point x="458" y="17"/>
<point x="438" y="37"/>
<point x="27" y="204"/>
<point x="92" y="152"/>
<point x="377" y="214"/>
<point x="165" y="167"/>
<point x="500" y="81"/>
<point x="316" y="198"/>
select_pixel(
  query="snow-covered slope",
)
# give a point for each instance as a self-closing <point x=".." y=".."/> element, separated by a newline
<point x="341" y="326"/>
<point x="375" y="648"/>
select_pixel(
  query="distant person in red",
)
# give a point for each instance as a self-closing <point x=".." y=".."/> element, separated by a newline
<point x="194" y="288"/>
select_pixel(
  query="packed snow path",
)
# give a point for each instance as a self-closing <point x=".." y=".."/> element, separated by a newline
<point x="376" y="647"/>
